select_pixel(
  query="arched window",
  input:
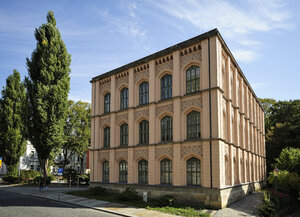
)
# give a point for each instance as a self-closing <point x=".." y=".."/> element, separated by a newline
<point x="166" y="171"/>
<point x="193" y="171"/>
<point x="144" y="93"/>
<point x="193" y="79"/>
<point x="105" y="171"/>
<point x="124" y="98"/>
<point x="193" y="125"/>
<point x="144" y="132"/>
<point x="124" y="135"/>
<point x="106" y="137"/>
<point x="143" y="171"/>
<point x="107" y="103"/>
<point x="166" y="129"/>
<point x="123" y="171"/>
<point x="166" y="87"/>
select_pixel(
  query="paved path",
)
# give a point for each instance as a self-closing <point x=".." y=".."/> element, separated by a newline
<point x="248" y="206"/>
<point x="20" y="205"/>
<point x="58" y="194"/>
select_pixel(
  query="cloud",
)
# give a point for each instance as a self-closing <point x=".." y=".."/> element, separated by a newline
<point x="245" y="55"/>
<point x="238" y="21"/>
<point x="126" y="23"/>
<point x="231" y="19"/>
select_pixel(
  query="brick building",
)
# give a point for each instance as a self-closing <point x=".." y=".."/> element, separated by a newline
<point x="183" y="121"/>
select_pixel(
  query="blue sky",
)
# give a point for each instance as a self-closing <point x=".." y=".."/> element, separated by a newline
<point x="263" y="35"/>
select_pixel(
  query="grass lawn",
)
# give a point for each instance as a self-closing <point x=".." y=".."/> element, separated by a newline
<point x="152" y="204"/>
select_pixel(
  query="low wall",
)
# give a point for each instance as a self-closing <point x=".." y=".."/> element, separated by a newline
<point x="205" y="197"/>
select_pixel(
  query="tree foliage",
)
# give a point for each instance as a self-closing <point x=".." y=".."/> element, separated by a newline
<point x="78" y="129"/>
<point x="282" y="126"/>
<point x="289" y="159"/>
<point x="12" y="142"/>
<point x="47" y="86"/>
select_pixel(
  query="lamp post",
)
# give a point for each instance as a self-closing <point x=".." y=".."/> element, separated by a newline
<point x="275" y="172"/>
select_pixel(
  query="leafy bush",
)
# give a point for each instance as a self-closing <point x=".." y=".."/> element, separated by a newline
<point x="167" y="200"/>
<point x="36" y="179"/>
<point x="129" y="194"/>
<point x="98" y="191"/>
<point x="27" y="176"/>
<point x="70" y="174"/>
<point x="10" y="179"/>
<point x="268" y="207"/>
<point x="289" y="159"/>
<point x="286" y="182"/>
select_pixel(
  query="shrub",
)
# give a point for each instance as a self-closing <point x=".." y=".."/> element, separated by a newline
<point x="286" y="182"/>
<point x="129" y="194"/>
<point x="167" y="200"/>
<point x="70" y="174"/>
<point x="27" y="176"/>
<point x="36" y="179"/>
<point x="289" y="159"/>
<point x="268" y="206"/>
<point x="98" y="191"/>
<point x="10" y="179"/>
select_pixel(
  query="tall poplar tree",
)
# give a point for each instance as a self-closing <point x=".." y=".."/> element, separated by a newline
<point x="47" y="86"/>
<point x="12" y="142"/>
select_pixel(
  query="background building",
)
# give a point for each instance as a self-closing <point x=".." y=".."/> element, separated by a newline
<point x="183" y="121"/>
<point x="30" y="161"/>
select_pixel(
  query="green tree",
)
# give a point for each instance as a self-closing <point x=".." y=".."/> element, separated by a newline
<point x="12" y="141"/>
<point x="289" y="159"/>
<point x="47" y="86"/>
<point x="78" y="130"/>
<point x="267" y="104"/>
<point x="283" y="129"/>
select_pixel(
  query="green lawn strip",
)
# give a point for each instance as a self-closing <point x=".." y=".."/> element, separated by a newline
<point x="152" y="204"/>
<point x="187" y="211"/>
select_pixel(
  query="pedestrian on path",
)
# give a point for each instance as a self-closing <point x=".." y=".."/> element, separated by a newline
<point x="41" y="184"/>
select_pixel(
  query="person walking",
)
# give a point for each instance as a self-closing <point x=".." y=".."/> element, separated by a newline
<point x="41" y="185"/>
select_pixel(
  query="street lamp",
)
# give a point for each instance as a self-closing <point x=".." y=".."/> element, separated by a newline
<point x="275" y="172"/>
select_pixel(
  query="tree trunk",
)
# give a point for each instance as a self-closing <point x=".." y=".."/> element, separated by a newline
<point x="65" y="152"/>
<point x="81" y="165"/>
<point x="45" y="169"/>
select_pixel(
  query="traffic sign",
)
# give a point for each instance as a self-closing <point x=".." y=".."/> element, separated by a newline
<point x="0" y="162"/>
<point x="60" y="171"/>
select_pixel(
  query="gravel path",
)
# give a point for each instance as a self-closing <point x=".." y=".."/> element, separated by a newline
<point x="248" y="206"/>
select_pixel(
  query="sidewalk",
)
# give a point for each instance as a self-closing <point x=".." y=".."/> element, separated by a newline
<point x="59" y="194"/>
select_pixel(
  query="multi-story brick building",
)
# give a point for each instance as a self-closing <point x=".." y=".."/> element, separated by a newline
<point x="183" y="121"/>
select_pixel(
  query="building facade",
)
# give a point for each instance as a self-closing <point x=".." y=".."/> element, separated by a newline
<point x="183" y="121"/>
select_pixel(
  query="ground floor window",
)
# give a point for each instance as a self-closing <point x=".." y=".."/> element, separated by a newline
<point x="105" y="171"/>
<point x="143" y="171"/>
<point x="166" y="171"/>
<point x="193" y="171"/>
<point x="123" y="171"/>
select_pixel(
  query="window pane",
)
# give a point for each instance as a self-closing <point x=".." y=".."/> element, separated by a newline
<point x="193" y="79"/>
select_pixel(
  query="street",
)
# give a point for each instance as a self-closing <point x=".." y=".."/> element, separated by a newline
<point x="14" y="204"/>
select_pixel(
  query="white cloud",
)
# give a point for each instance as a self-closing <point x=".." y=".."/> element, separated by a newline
<point x="232" y="20"/>
<point x="239" y="21"/>
<point x="128" y="24"/>
<point x="245" y="55"/>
